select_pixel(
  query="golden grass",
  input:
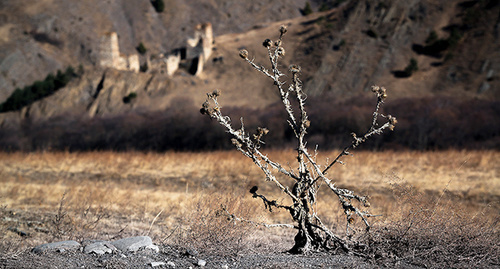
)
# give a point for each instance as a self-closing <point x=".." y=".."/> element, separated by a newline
<point x="131" y="188"/>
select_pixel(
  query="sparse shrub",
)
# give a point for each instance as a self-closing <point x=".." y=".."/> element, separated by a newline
<point x="312" y="233"/>
<point x="159" y="5"/>
<point x="76" y="220"/>
<point x="430" y="231"/>
<point x="324" y="7"/>
<point x="38" y="90"/>
<point x="208" y="229"/>
<point x="141" y="49"/>
<point x="454" y="38"/>
<point x="411" y="68"/>
<point x="327" y="5"/>
<point x="307" y="10"/>
<point x="436" y="46"/>
<point x="131" y="96"/>
<point x="431" y="38"/>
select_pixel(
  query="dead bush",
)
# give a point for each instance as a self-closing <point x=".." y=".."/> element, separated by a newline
<point x="432" y="232"/>
<point x="308" y="176"/>
<point x="207" y="228"/>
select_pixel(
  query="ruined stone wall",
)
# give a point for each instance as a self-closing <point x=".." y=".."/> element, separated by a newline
<point x="133" y="63"/>
<point x="110" y="56"/>
<point x="201" y="43"/>
<point x="198" y="51"/>
<point x="207" y="38"/>
<point x="172" y="63"/>
<point x="109" y="51"/>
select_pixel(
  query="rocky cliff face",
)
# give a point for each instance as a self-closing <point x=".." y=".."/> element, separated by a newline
<point x="372" y="42"/>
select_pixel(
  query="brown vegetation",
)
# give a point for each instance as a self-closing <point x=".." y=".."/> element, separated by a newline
<point x="425" y="123"/>
<point x="112" y="195"/>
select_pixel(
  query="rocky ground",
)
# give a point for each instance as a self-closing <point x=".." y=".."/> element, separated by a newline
<point x="139" y="252"/>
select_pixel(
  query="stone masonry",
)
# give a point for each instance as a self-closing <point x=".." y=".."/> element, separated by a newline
<point x="110" y="56"/>
<point x="192" y="57"/>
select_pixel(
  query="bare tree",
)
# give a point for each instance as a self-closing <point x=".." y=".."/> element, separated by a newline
<point x="312" y="234"/>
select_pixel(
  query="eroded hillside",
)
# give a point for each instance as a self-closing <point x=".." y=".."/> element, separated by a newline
<point x="342" y="51"/>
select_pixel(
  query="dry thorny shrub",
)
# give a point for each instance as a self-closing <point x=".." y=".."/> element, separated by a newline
<point x="206" y="228"/>
<point x="308" y="175"/>
<point x="430" y="231"/>
<point x="77" y="219"/>
<point x="73" y="219"/>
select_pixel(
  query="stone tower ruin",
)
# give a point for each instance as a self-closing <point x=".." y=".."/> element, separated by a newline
<point x="110" y="56"/>
<point x="192" y="57"/>
<point x="199" y="48"/>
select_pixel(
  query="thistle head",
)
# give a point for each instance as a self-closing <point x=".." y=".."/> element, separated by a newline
<point x="267" y="43"/>
<point x="244" y="54"/>
<point x="281" y="51"/>
<point x="294" y="68"/>
<point x="283" y="30"/>
<point x="380" y="91"/>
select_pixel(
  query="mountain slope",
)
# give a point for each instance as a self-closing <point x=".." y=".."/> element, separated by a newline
<point x="342" y="53"/>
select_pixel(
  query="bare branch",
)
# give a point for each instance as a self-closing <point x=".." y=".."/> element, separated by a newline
<point x="312" y="233"/>
<point x="277" y="225"/>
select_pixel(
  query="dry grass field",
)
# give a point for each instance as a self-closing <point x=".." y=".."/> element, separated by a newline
<point x="176" y="197"/>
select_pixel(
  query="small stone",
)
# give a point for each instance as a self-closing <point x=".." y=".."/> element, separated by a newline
<point x="171" y="264"/>
<point x="99" y="248"/>
<point x="156" y="264"/>
<point x="191" y="252"/>
<point x="133" y="243"/>
<point x="154" y="248"/>
<point x="202" y="263"/>
<point x="57" y="246"/>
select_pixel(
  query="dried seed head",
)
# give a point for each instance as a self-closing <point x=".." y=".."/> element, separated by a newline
<point x="392" y="120"/>
<point x="254" y="189"/>
<point x="366" y="204"/>
<point x="281" y="51"/>
<point x="283" y="29"/>
<point x="307" y="123"/>
<point x="294" y="68"/>
<point x="236" y="142"/>
<point x="205" y="104"/>
<point x="380" y="91"/>
<point x="216" y="93"/>
<point x="244" y="54"/>
<point x="267" y="43"/>
<point x="262" y="131"/>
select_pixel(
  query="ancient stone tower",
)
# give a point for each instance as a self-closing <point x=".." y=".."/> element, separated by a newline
<point x="199" y="48"/>
<point x="110" y="56"/>
<point x="109" y="50"/>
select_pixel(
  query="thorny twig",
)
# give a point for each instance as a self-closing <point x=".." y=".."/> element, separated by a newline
<point x="234" y="217"/>
<point x="306" y="186"/>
